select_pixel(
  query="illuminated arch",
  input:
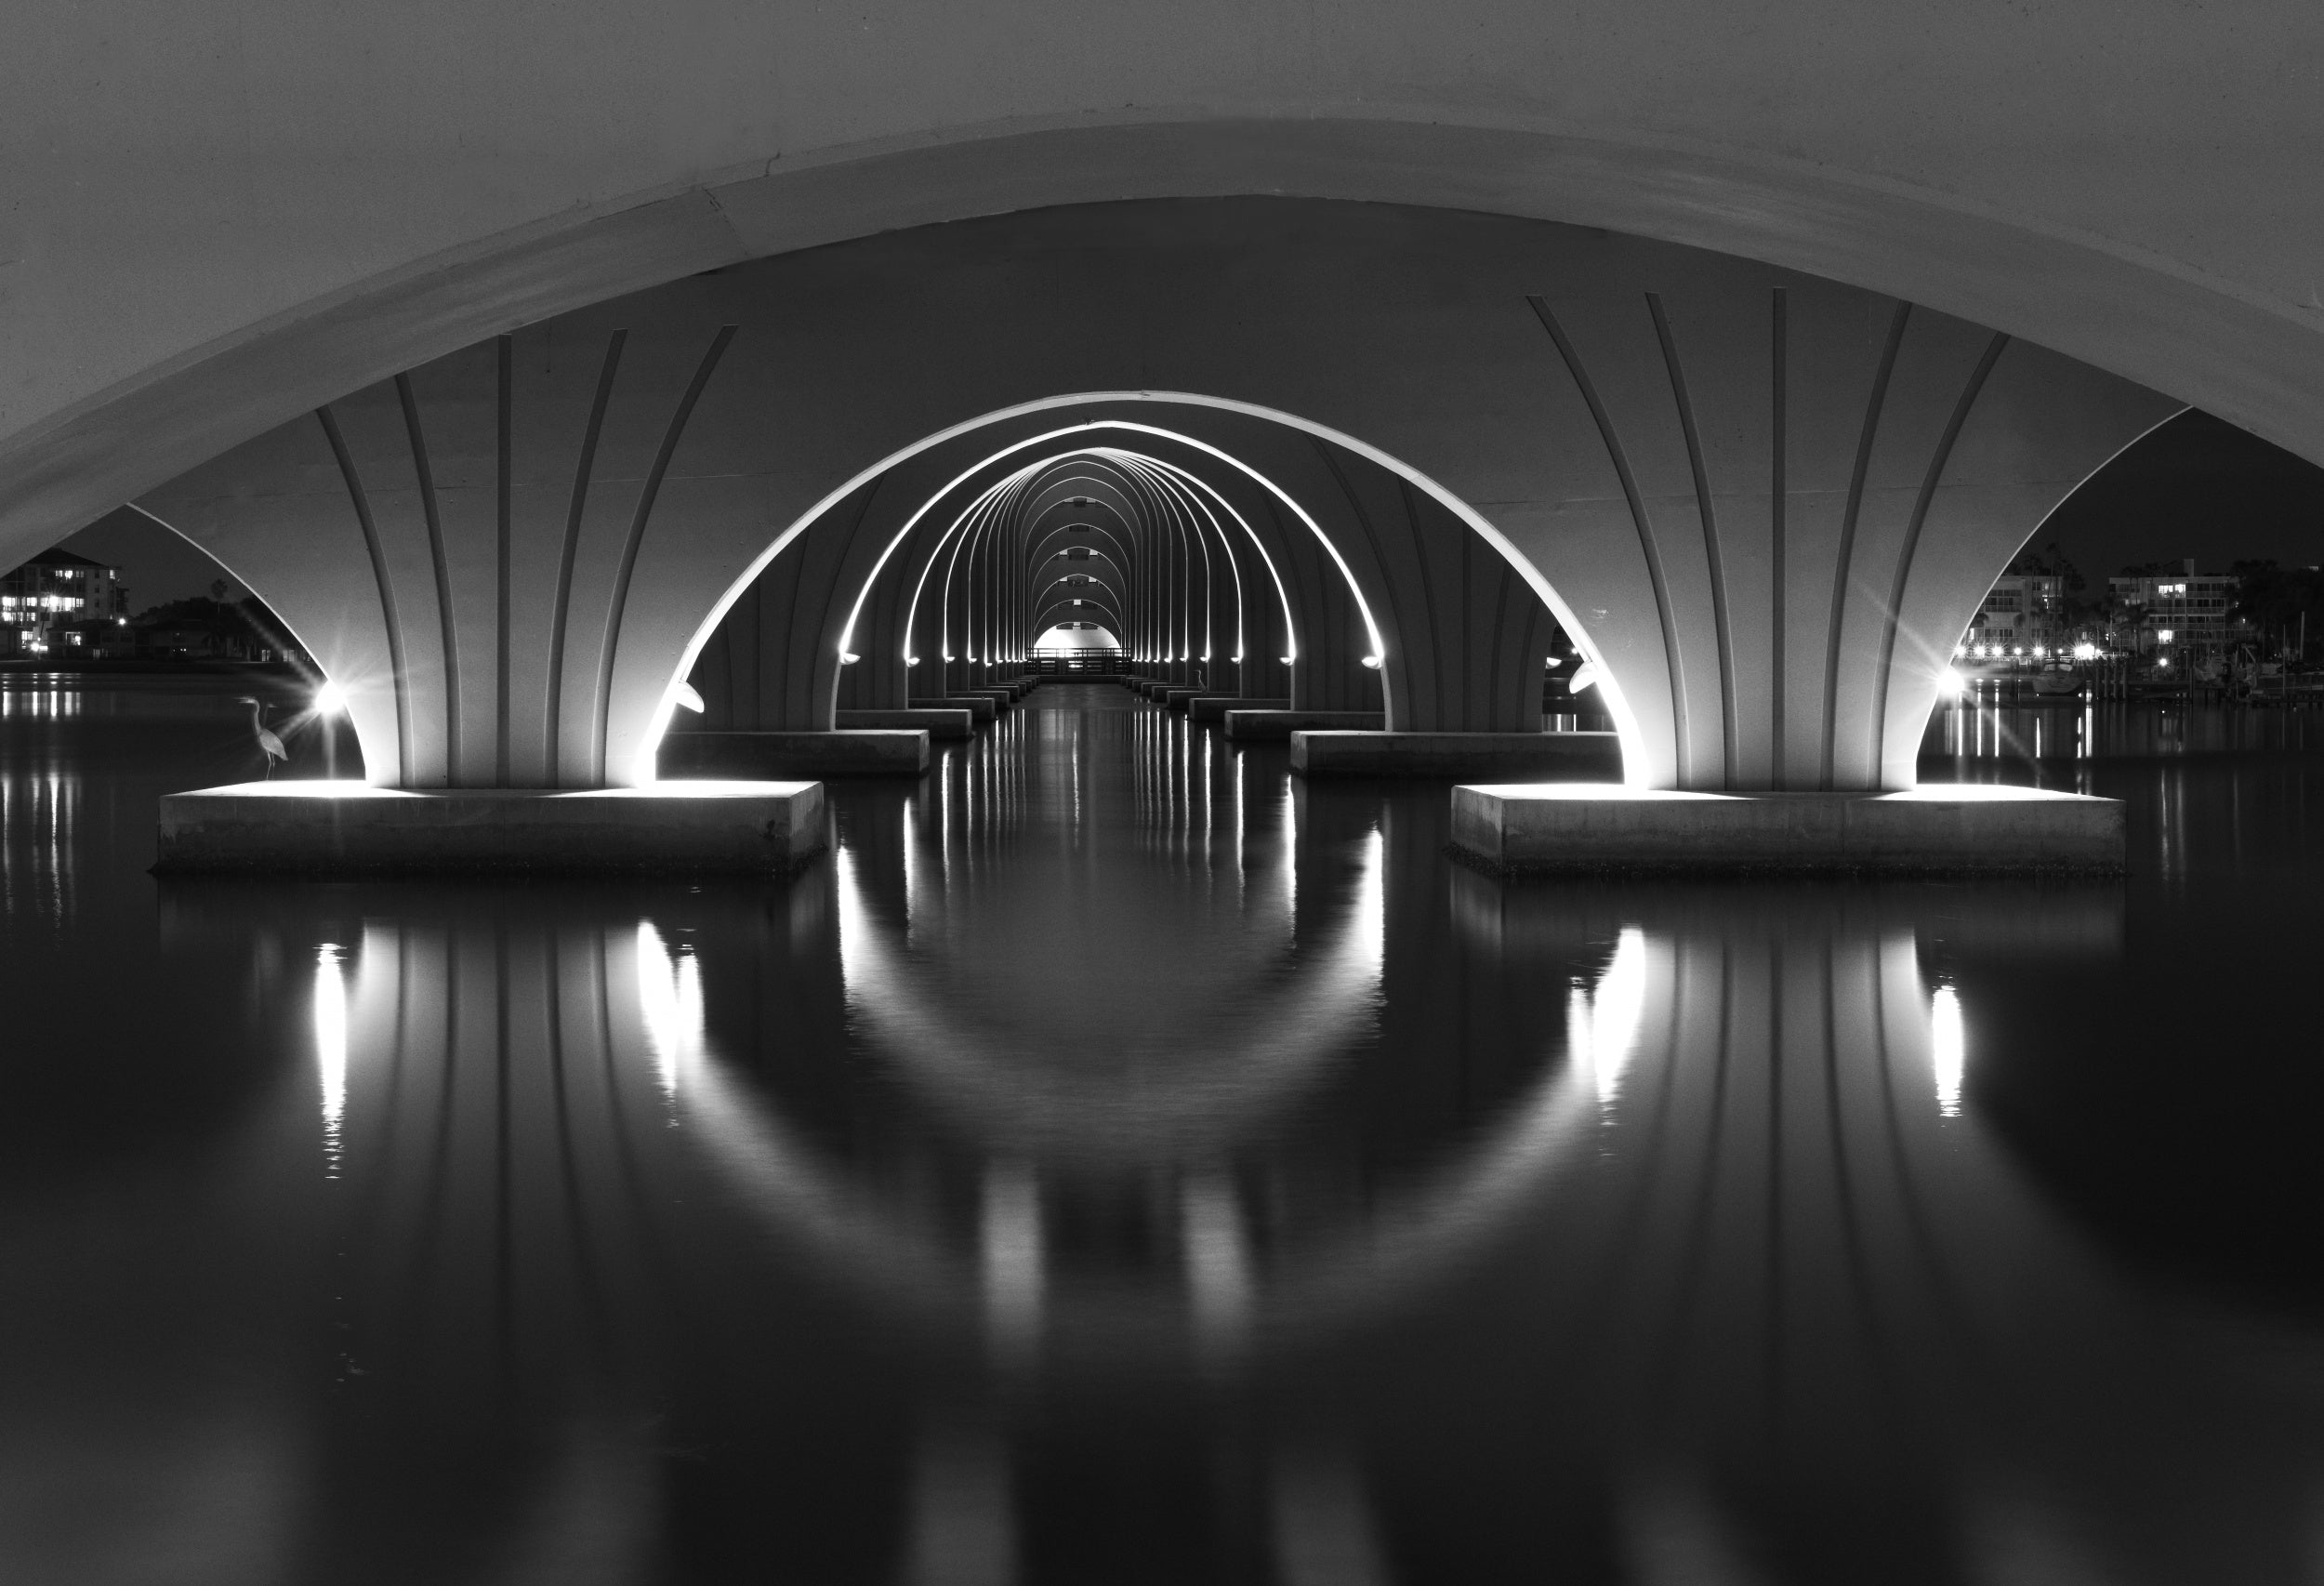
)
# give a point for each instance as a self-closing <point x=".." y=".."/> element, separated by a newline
<point x="1625" y="723"/>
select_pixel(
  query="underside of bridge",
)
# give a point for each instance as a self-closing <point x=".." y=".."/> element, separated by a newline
<point x="1353" y="455"/>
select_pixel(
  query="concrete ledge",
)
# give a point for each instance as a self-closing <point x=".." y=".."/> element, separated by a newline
<point x="1565" y="827"/>
<point x="1243" y="724"/>
<point x="1214" y="707"/>
<point x="1002" y="698"/>
<point x="1179" y="700"/>
<point x="937" y="722"/>
<point x="1549" y="757"/>
<point x="347" y="829"/>
<point x="872" y="752"/>
<point x="981" y="707"/>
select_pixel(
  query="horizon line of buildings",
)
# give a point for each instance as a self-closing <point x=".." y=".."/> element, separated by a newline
<point x="2027" y="615"/>
<point x="63" y="605"/>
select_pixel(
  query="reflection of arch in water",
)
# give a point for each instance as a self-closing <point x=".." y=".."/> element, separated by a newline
<point x="1649" y="1181"/>
<point x="1682" y="1008"/>
<point x="1288" y="1021"/>
<point x="1779" y="1105"/>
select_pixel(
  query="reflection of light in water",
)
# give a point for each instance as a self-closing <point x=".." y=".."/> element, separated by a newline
<point x="962" y="1529"/>
<point x="670" y="999"/>
<point x="1218" y="1253"/>
<point x="1948" y="1048"/>
<point x="1601" y="1027"/>
<point x="911" y="875"/>
<point x="854" y="921"/>
<point x="1323" y="1531"/>
<point x="1290" y="846"/>
<point x="1367" y="927"/>
<point x="1013" y="1256"/>
<point x="331" y="1043"/>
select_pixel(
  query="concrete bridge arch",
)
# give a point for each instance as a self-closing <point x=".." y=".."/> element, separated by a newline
<point x="1713" y="468"/>
<point x="170" y="294"/>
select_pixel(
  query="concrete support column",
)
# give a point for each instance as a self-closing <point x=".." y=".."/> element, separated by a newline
<point x="1800" y="494"/>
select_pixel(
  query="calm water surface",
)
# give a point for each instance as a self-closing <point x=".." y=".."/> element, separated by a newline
<point x="1119" y="1161"/>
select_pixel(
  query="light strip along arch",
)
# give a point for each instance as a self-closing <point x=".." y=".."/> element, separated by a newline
<point x="995" y="501"/>
<point x="1040" y="625"/>
<point x="973" y="544"/>
<point x="1625" y="721"/>
<point x="1468" y="514"/>
<point x="981" y="504"/>
<point x="1171" y="480"/>
<point x="1092" y="492"/>
<point x="1065" y="580"/>
<point x="1176" y="568"/>
<point x="1097" y="554"/>
<point x="1034" y="551"/>
<point x="1193" y="495"/>
<point x="1032" y="555"/>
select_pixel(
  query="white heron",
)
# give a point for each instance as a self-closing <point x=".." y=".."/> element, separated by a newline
<point x="269" y="744"/>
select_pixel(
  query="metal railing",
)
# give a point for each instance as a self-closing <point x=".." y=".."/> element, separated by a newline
<point x="1074" y="663"/>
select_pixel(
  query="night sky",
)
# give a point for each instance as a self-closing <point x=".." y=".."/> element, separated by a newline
<point x="2196" y="486"/>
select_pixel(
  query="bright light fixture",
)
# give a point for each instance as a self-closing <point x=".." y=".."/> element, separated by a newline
<point x="1951" y="681"/>
<point x="1372" y="662"/>
<point x="330" y="699"/>
<point x="849" y="658"/>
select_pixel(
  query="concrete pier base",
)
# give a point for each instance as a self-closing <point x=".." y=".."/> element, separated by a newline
<point x="1568" y="827"/>
<point x="856" y="752"/>
<point x="349" y="829"/>
<point x="1551" y="756"/>
<point x="1214" y="707"/>
<point x="982" y="708"/>
<point x="1259" y="725"/>
<point x="940" y="721"/>
<point x="1182" y="699"/>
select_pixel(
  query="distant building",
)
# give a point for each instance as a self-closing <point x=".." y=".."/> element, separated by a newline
<point x="2190" y="607"/>
<point x="2024" y="614"/>
<point x="60" y="603"/>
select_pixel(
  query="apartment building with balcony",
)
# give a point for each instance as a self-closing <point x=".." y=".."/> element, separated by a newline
<point x="50" y="605"/>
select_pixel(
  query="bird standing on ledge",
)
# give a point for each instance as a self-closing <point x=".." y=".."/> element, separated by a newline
<point x="269" y="744"/>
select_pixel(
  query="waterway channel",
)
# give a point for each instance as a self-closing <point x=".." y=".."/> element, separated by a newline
<point x="1119" y="1160"/>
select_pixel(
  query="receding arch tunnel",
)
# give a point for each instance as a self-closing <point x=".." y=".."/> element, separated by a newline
<point x="1231" y="550"/>
<point x="1764" y="504"/>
